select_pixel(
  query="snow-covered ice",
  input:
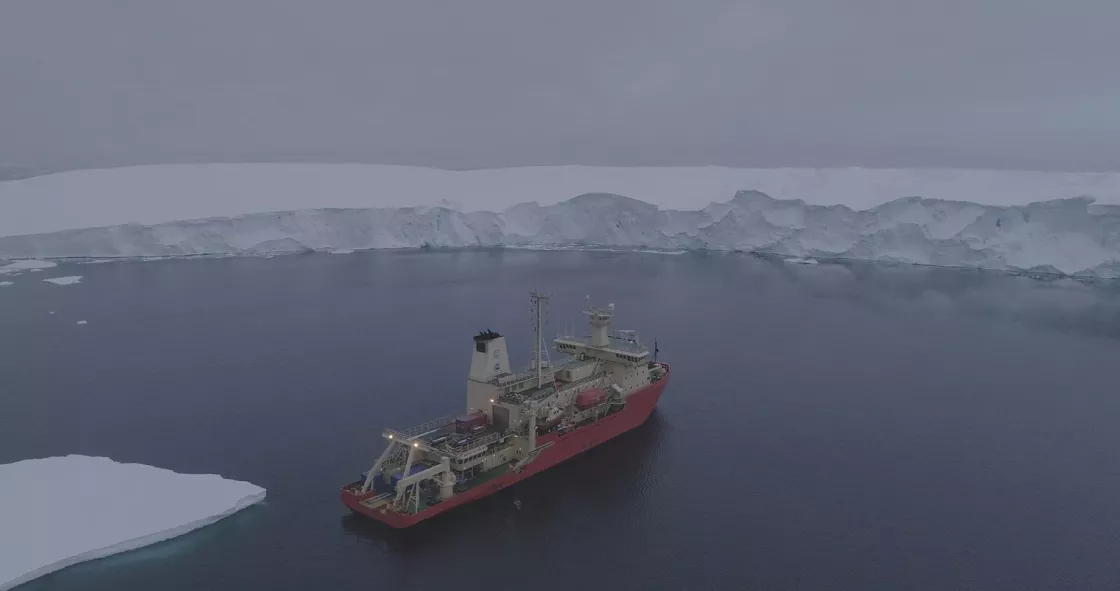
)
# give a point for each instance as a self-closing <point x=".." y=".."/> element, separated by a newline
<point x="70" y="280"/>
<point x="81" y="322"/>
<point x="1066" y="236"/>
<point x="61" y="511"/>
<point x="16" y="267"/>
<point x="1044" y="222"/>
<point x="164" y="193"/>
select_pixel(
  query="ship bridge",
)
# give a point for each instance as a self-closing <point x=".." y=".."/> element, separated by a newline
<point x="619" y="349"/>
<point x="623" y="346"/>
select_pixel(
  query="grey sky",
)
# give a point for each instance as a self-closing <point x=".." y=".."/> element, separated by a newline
<point x="485" y="83"/>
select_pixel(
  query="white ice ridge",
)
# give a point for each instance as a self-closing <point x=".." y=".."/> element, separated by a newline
<point x="61" y="511"/>
<point x="1070" y="236"/>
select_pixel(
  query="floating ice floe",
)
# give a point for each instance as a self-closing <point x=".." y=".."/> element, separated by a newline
<point x="801" y="261"/>
<point x="70" y="280"/>
<point x="26" y="265"/>
<point x="81" y="322"/>
<point x="5" y="283"/>
<point x="60" y="511"/>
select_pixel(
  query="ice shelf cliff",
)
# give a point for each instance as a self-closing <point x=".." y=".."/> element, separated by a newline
<point x="1069" y="236"/>
<point x="984" y="219"/>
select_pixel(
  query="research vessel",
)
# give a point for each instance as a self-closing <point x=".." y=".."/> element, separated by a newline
<point x="515" y="424"/>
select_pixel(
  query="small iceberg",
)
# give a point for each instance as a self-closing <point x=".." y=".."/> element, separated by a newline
<point x="26" y="265"/>
<point x="4" y="283"/>
<point x="81" y="322"/>
<point x="342" y="251"/>
<point x="71" y="280"/>
<point x="61" y="511"/>
<point x="801" y="261"/>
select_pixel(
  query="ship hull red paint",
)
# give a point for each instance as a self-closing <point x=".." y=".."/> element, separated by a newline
<point x="639" y="405"/>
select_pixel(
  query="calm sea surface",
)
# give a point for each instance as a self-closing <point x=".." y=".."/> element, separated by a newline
<point x="827" y="427"/>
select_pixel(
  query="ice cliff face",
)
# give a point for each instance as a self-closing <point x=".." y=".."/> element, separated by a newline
<point x="1070" y="236"/>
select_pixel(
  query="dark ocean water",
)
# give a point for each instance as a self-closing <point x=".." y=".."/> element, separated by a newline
<point x="829" y="427"/>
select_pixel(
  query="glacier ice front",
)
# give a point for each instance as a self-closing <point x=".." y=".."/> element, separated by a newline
<point x="61" y="511"/>
<point x="1037" y="222"/>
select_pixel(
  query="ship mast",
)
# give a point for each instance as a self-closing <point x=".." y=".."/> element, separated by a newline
<point x="539" y="300"/>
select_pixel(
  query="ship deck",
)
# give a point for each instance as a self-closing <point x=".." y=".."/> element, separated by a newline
<point x="549" y="388"/>
<point x="454" y="444"/>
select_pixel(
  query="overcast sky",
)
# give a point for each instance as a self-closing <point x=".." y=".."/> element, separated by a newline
<point x="488" y="83"/>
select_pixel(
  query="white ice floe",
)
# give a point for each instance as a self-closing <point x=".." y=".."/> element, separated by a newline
<point x="81" y="322"/>
<point x="801" y="261"/>
<point x="5" y="283"/>
<point x="342" y="251"/>
<point x="16" y="267"/>
<point x="61" y="511"/>
<point x="69" y="280"/>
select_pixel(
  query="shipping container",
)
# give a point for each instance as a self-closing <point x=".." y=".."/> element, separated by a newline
<point x="466" y="423"/>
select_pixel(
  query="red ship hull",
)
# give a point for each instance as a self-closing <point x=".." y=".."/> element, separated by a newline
<point x="639" y="405"/>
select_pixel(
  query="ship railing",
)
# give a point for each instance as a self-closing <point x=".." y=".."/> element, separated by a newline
<point x="629" y="344"/>
<point x="473" y="446"/>
<point x="534" y="395"/>
<point x="405" y="434"/>
<point x="528" y="375"/>
<point x="380" y="499"/>
<point x="621" y="344"/>
<point x="393" y="466"/>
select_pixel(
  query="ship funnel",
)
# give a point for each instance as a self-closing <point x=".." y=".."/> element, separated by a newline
<point x="490" y="357"/>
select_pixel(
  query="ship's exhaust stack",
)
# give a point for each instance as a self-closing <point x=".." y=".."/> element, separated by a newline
<point x="490" y="356"/>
